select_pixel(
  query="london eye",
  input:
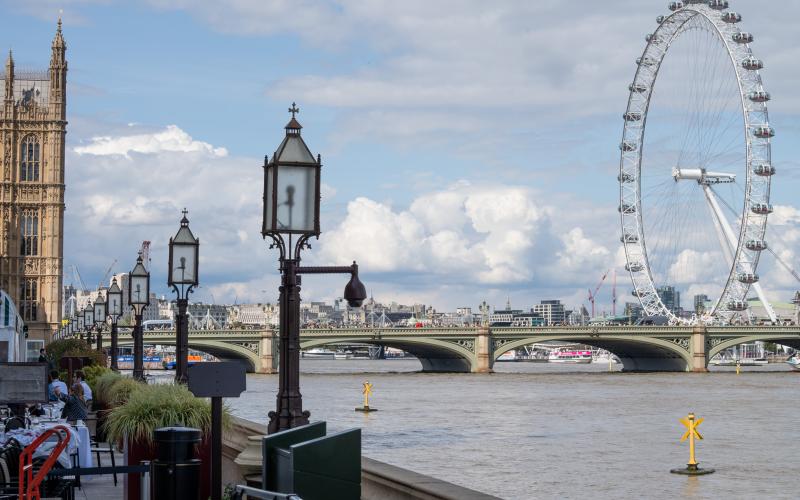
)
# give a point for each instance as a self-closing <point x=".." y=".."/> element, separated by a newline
<point x="695" y="167"/>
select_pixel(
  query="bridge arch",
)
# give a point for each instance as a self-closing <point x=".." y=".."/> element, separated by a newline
<point x="222" y="350"/>
<point x="435" y="355"/>
<point x="734" y="341"/>
<point x="636" y="353"/>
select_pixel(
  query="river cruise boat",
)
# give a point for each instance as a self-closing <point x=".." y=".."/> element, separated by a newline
<point x="318" y="353"/>
<point x="794" y="362"/>
<point x="567" y="356"/>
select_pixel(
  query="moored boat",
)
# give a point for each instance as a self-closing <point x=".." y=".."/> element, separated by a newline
<point x="318" y="353"/>
<point x="794" y="362"/>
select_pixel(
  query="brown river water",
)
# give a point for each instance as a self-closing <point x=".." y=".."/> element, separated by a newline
<point x="535" y="430"/>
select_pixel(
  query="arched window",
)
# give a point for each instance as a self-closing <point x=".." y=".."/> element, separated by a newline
<point x="29" y="229"/>
<point x="29" y="302"/>
<point x="29" y="159"/>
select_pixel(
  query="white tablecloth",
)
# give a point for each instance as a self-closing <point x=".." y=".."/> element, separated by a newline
<point x="78" y="440"/>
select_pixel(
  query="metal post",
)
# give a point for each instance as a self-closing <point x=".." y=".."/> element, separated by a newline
<point x="99" y="338"/>
<point x="216" y="448"/>
<point x="289" y="412"/>
<point x="138" y="349"/>
<point x="144" y="482"/>
<point x="114" y="346"/>
<point x="182" y="342"/>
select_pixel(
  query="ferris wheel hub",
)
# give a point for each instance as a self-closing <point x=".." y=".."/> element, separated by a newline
<point x="702" y="176"/>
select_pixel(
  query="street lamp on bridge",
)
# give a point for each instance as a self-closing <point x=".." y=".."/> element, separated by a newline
<point x="79" y="327"/>
<point x="88" y="322"/>
<point x="291" y="209"/>
<point x="139" y="298"/>
<point x="182" y="276"/>
<point x="114" y="307"/>
<point x="100" y="308"/>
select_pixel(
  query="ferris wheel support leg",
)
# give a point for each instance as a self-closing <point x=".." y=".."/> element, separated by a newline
<point x="733" y="241"/>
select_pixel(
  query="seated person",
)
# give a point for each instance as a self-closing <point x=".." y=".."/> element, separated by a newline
<point x="75" y="407"/>
<point x="79" y="377"/>
<point x="55" y="382"/>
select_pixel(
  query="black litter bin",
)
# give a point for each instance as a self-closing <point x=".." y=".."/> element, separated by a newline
<point x="176" y="473"/>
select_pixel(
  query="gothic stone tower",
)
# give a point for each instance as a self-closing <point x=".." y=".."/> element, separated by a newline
<point x="32" y="129"/>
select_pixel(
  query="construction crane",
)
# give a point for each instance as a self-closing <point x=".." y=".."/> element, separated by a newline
<point x="146" y="254"/>
<point x="614" y="296"/>
<point x="108" y="272"/>
<point x="76" y="275"/>
<point x="593" y="296"/>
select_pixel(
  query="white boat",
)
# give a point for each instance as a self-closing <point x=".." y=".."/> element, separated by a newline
<point x="563" y="355"/>
<point x="318" y="353"/>
<point x="794" y="362"/>
<point x="508" y="356"/>
<point x="343" y="355"/>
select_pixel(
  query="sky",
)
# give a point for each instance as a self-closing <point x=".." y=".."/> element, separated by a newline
<point x="470" y="148"/>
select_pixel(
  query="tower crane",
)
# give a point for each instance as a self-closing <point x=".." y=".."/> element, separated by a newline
<point x="593" y="295"/>
<point x="146" y="254"/>
<point x="614" y="296"/>
<point x="77" y="274"/>
<point x="108" y="271"/>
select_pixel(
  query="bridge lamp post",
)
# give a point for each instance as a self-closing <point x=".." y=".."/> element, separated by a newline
<point x="79" y="328"/>
<point x="100" y="308"/>
<point x="184" y="250"/>
<point x="88" y="322"/>
<point x="139" y="298"/>
<point x="114" y="307"/>
<point x="291" y="210"/>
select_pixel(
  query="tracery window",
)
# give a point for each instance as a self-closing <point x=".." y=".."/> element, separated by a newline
<point x="29" y="228"/>
<point x="28" y="299"/>
<point x="29" y="159"/>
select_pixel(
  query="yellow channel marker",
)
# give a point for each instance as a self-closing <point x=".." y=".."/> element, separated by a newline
<point x="691" y="434"/>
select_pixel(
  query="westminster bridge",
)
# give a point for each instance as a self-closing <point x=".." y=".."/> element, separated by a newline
<point x="475" y="349"/>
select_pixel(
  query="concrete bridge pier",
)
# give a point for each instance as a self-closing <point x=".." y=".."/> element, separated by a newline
<point x="484" y="352"/>
<point x="268" y="349"/>
<point x="697" y="345"/>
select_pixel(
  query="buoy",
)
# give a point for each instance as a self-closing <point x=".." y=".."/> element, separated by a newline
<point x="691" y="433"/>
<point x="738" y="368"/>
<point x="366" y="391"/>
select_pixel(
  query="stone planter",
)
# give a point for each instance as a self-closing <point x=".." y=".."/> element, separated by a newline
<point x="136" y="452"/>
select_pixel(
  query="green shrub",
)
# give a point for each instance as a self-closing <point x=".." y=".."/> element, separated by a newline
<point x="102" y="385"/>
<point x="57" y="349"/>
<point x="121" y="390"/>
<point x="155" y="406"/>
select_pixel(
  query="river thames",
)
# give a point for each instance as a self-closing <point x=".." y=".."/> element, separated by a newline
<point x="553" y="431"/>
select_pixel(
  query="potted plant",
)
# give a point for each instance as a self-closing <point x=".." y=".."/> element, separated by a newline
<point x="149" y="408"/>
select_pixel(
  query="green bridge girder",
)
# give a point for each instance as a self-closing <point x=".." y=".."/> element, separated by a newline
<point x="474" y="349"/>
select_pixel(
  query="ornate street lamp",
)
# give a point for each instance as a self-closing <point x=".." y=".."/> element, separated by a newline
<point x="291" y="207"/>
<point x="79" y="330"/>
<point x="114" y="307"/>
<point x="184" y="251"/>
<point x="88" y="322"/>
<point x="100" y="315"/>
<point x="139" y="298"/>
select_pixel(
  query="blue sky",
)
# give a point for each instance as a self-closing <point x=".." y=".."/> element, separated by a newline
<point x="430" y="120"/>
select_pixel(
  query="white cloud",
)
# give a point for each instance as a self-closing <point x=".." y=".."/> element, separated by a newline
<point x="171" y="139"/>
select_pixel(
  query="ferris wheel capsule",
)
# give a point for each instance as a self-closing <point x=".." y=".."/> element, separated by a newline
<point x="639" y="88"/>
<point x="762" y="208"/>
<point x="759" y="96"/>
<point x="753" y="64"/>
<point x="634" y="267"/>
<point x="764" y="170"/>
<point x="629" y="238"/>
<point x="628" y="146"/>
<point x="661" y="19"/>
<point x="625" y="178"/>
<point x="764" y="132"/>
<point x="645" y="61"/>
<point x="718" y="4"/>
<point x="756" y="245"/>
<point x="673" y="6"/>
<point x="743" y="37"/>
<point x="626" y="208"/>
<point x="737" y="305"/>
<point x="747" y="278"/>
<point x="632" y="116"/>
<point x="732" y="17"/>
<point x="652" y="38"/>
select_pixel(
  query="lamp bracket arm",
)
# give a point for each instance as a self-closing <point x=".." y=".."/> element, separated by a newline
<point x="352" y="269"/>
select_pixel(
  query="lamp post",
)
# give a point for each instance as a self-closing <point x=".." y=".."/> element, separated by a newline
<point x="138" y="297"/>
<point x="291" y="209"/>
<point x="182" y="276"/>
<point x="88" y="322"/>
<point x="114" y="307"/>
<point x="79" y="330"/>
<point x="100" y="316"/>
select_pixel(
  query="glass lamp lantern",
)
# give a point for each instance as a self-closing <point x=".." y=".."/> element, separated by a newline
<point x="100" y="311"/>
<point x="114" y="300"/>
<point x="184" y="250"/>
<point x="80" y="320"/>
<point x="88" y="316"/>
<point x="139" y="286"/>
<point x="291" y="186"/>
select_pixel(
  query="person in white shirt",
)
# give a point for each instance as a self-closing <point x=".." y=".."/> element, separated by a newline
<point x="55" y="382"/>
<point x="78" y="376"/>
